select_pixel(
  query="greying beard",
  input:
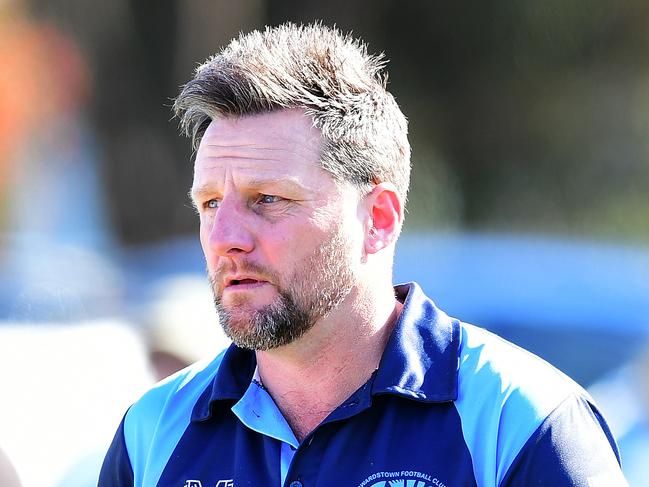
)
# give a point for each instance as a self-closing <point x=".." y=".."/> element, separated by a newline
<point x="320" y="283"/>
<point x="275" y="325"/>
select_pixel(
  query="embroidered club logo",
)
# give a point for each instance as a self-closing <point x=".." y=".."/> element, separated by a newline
<point x="403" y="478"/>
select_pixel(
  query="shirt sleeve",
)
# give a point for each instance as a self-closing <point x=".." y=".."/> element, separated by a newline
<point x="572" y="447"/>
<point x="116" y="470"/>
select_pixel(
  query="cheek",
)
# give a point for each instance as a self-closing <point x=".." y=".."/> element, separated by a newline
<point x="278" y="248"/>
<point x="283" y="247"/>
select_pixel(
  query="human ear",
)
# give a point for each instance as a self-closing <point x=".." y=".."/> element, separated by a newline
<point x="385" y="210"/>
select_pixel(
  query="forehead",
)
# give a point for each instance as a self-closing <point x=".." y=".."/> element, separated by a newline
<point x="281" y="144"/>
<point x="282" y="126"/>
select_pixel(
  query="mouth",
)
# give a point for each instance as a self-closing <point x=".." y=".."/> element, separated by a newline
<point x="243" y="282"/>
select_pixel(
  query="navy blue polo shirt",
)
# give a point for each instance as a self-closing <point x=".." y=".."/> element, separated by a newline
<point x="450" y="405"/>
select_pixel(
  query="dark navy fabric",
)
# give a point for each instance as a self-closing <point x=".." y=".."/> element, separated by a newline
<point x="585" y="459"/>
<point x="119" y="472"/>
<point x="450" y="405"/>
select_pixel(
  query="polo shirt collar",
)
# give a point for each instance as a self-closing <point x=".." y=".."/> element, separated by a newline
<point x="420" y="361"/>
<point x="230" y="383"/>
<point x="421" y="358"/>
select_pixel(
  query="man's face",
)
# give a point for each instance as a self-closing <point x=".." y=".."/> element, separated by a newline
<point x="280" y="237"/>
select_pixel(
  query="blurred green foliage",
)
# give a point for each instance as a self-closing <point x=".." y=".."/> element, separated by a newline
<point x="525" y="116"/>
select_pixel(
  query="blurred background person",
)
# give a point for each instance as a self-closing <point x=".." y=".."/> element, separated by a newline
<point x="181" y="325"/>
<point x="56" y="232"/>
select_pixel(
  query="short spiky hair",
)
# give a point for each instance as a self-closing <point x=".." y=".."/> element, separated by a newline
<point x="317" y="68"/>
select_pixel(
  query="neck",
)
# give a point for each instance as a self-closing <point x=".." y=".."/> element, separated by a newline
<point x="309" y="378"/>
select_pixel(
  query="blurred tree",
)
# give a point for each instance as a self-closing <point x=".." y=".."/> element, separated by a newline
<point x="531" y="107"/>
<point x="525" y="116"/>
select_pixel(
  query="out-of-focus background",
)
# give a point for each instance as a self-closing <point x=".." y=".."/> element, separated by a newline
<point x="528" y="214"/>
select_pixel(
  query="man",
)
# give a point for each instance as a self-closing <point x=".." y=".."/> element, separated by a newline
<point x="335" y="378"/>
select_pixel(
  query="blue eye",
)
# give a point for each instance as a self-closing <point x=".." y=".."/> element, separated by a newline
<point x="268" y="198"/>
<point x="211" y="204"/>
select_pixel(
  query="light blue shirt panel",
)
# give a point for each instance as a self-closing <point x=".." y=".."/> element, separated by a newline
<point x="258" y="411"/>
<point x="150" y="442"/>
<point x="504" y="394"/>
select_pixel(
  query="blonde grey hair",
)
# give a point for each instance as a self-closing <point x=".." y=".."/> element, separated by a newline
<point x="317" y="68"/>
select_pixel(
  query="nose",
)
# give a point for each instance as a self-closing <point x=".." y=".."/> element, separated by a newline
<point x="228" y="231"/>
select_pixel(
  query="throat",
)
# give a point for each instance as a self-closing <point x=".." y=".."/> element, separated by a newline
<point x="306" y="406"/>
<point x="303" y="417"/>
<point x="303" y="422"/>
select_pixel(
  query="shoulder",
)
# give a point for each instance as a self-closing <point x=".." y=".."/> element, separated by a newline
<point x="505" y="394"/>
<point x="184" y="385"/>
<point x="490" y="365"/>
<point x="158" y="419"/>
